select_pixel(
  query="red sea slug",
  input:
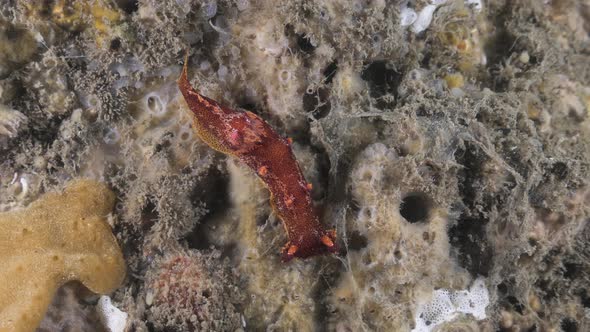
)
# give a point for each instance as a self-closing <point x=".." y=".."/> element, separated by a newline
<point x="253" y="141"/>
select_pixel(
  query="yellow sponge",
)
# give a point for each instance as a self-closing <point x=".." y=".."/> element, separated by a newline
<point x="59" y="238"/>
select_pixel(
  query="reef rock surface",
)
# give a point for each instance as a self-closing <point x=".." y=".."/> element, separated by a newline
<point x="447" y="142"/>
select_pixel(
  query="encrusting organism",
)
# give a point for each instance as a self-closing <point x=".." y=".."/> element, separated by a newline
<point x="59" y="238"/>
<point x="252" y="140"/>
<point x="187" y="290"/>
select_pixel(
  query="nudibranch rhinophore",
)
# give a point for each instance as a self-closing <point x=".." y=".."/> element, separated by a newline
<point x="249" y="138"/>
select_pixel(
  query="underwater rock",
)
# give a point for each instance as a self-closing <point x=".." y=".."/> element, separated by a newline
<point x="17" y="46"/>
<point x="10" y="122"/>
<point x="447" y="142"/>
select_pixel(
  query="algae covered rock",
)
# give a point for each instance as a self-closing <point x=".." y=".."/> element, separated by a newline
<point x="448" y="143"/>
<point x="192" y="291"/>
<point x="17" y="46"/>
<point x="58" y="238"/>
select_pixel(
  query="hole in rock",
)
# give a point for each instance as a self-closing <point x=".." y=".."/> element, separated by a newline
<point x="330" y="71"/>
<point x="149" y="214"/>
<point x="215" y="203"/>
<point x="559" y="169"/>
<point x="305" y="44"/>
<point x="584" y="298"/>
<point x="128" y="6"/>
<point x="415" y="207"/>
<point x="299" y="41"/>
<point x="357" y="241"/>
<point x="13" y="33"/>
<point x="382" y="79"/>
<point x="318" y="103"/>
<point x="571" y="270"/>
<point x="515" y="304"/>
<point x="154" y="104"/>
<point x="115" y="44"/>
<point x="569" y="325"/>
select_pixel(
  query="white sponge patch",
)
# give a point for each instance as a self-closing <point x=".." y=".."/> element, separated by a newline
<point x="112" y="318"/>
<point x="446" y="304"/>
<point x="421" y="21"/>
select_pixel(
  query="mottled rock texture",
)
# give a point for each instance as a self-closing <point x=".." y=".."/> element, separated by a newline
<point x="442" y="151"/>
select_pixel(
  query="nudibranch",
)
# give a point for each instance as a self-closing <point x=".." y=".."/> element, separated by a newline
<point x="247" y="137"/>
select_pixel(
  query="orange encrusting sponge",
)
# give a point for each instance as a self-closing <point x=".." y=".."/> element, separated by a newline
<point x="59" y="238"/>
<point x="249" y="138"/>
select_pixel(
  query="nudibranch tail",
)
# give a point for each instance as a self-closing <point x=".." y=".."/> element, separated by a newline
<point x="249" y="138"/>
<point x="326" y="244"/>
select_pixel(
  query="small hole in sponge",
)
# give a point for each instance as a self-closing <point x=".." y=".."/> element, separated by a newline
<point x="115" y="44"/>
<point x="13" y="33"/>
<point x="284" y="76"/>
<point x="357" y="241"/>
<point x="366" y="258"/>
<point x="305" y="45"/>
<point x="154" y="104"/>
<point x="330" y="71"/>
<point x="415" y="207"/>
<point x="381" y="78"/>
<point x="128" y="6"/>
<point x="569" y="325"/>
<point x="318" y="103"/>
<point x="206" y="293"/>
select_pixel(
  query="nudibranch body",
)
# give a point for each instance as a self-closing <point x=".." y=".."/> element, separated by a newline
<point x="249" y="138"/>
